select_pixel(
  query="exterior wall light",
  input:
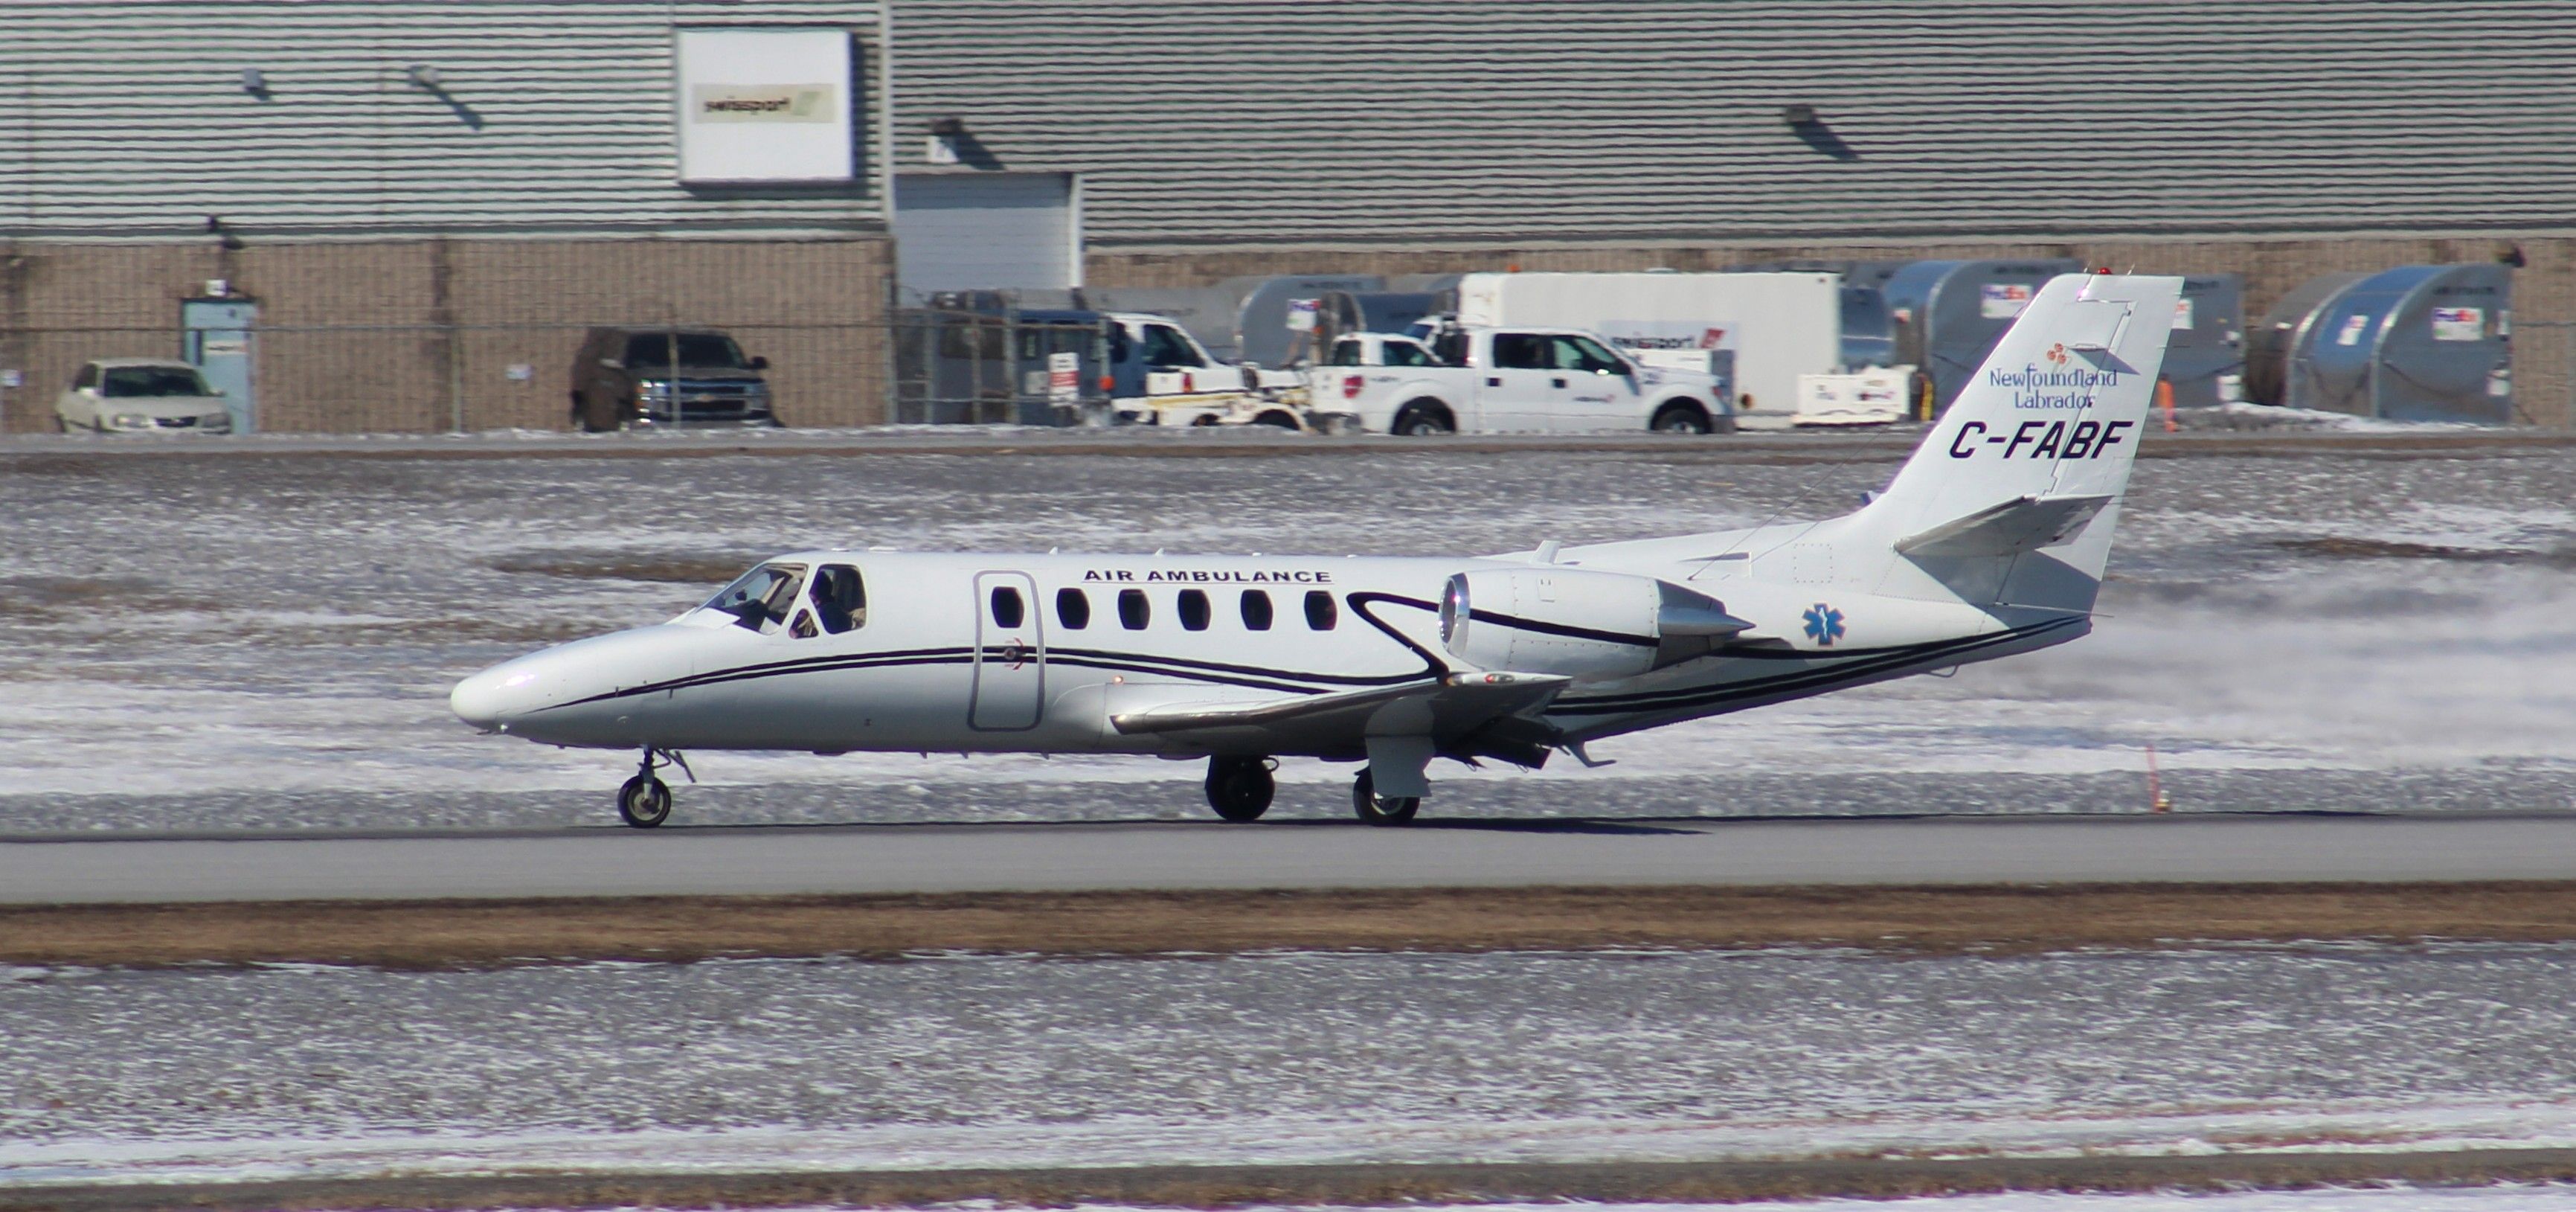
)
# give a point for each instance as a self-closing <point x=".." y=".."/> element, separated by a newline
<point x="255" y="82"/>
<point x="422" y="75"/>
<point x="947" y="140"/>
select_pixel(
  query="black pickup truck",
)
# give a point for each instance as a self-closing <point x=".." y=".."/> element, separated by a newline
<point x="655" y="378"/>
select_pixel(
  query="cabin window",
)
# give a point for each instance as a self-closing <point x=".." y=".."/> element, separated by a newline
<point x="762" y="598"/>
<point x="1256" y="610"/>
<point x="1073" y="609"/>
<point x="1133" y="611"/>
<point x="1320" y="612"/>
<point x="1165" y="346"/>
<point x="840" y="598"/>
<point x="1194" y="609"/>
<point x="1406" y="353"/>
<point x="1008" y="610"/>
<point x="1522" y="351"/>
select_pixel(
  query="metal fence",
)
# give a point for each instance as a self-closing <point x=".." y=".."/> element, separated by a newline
<point x="918" y="367"/>
<point x="1005" y="367"/>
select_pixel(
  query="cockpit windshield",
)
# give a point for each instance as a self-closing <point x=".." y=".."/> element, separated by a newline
<point x="762" y="598"/>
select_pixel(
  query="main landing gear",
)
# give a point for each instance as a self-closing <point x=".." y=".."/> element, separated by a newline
<point x="1239" y="788"/>
<point x="645" y="801"/>
<point x="1377" y="809"/>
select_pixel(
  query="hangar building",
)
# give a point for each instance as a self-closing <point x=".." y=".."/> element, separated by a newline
<point x="473" y="181"/>
<point x="421" y="204"/>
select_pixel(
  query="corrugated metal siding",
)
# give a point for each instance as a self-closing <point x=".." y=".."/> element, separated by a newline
<point x="1279" y="120"/>
<point x="128" y="117"/>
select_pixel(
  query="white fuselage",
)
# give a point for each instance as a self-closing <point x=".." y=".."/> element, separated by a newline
<point x="935" y="667"/>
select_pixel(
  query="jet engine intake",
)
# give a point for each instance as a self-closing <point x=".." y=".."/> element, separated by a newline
<point x="1590" y="626"/>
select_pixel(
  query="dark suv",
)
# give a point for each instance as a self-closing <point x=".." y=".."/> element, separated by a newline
<point x="658" y="377"/>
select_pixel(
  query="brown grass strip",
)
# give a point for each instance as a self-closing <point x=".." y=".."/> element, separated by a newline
<point x="1347" y="1185"/>
<point x="483" y="933"/>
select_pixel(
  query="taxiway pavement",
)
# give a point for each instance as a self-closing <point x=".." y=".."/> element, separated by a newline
<point x="753" y="861"/>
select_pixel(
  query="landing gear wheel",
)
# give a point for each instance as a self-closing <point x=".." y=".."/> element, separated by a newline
<point x="1376" y="809"/>
<point x="1239" y="788"/>
<point x="644" y="801"/>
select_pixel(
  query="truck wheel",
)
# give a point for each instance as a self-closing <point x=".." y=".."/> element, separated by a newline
<point x="1681" y="416"/>
<point x="1424" y="418"/>
<point x="1277" y="419"/>
<point x="598" y="414"/>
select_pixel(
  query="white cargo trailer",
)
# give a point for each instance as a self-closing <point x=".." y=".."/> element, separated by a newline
<point x="1779" y="325"/>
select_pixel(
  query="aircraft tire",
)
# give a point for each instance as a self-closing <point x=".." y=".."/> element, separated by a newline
<point x="1239" y="788"/>
<point x="1375" y="809"/>
<point x="644" y="801"/>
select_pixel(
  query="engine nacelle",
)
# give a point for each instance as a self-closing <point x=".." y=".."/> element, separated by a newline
<point x="1591" y="626"/>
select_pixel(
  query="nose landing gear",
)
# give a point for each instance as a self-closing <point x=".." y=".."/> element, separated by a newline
<point x="1239" y="788"/>
<point x="645" y="801"/>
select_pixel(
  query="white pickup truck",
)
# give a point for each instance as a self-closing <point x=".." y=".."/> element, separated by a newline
<point x="1503" y="380"/>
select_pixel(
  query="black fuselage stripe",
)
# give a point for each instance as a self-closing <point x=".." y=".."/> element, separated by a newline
<point x="1844" y="669"/>
<point x="1255" y="676"/>
<point x="1563" y="629"/>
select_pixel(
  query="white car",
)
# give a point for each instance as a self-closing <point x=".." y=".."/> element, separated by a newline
<point x="141" y="395"/>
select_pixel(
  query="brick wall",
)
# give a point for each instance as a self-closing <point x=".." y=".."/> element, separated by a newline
<point x="2544" y="292"/>
<point x="420" y="335"/>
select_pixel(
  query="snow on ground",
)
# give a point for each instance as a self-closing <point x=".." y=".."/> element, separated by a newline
<point x="205" y="649"/>
<point x="957" y="1062"/>
<point x="2500" y="1198"/>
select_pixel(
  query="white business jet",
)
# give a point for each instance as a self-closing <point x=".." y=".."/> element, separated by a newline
<point x="1990" y="541"/>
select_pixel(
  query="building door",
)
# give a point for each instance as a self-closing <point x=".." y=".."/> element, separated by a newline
<point x="986" y="231"/>
<point x="1010" y="654"/>
<point x="215" y="334"/>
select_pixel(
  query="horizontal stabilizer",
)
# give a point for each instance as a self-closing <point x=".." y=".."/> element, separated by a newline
<point x="1457" y="702"/>
<point x="2020" y="524"/>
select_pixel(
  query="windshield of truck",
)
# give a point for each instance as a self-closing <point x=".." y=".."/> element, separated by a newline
<point x="1165" y="346"/>
<point x="652" y="351"/>
<point x="761" y="599"/>
<point x="152" y="381"/>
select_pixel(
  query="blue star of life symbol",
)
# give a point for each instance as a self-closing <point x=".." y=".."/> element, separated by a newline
<point x="1824" y="625"/>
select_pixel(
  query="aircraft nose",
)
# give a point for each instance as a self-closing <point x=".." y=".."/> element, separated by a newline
<point x="488" y="700"/>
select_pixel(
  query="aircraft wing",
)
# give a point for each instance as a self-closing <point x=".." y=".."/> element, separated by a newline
<point x="2021" y="524"/>
<point x="1452" y="705"/>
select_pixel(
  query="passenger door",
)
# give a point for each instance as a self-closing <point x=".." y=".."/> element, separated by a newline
<point x="1009" y="688"/>
<point x="1600" y="389"/>
<point x="1518" y="387"/>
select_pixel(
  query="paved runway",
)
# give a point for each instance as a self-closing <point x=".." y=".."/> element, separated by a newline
<point x="971" y="858"/>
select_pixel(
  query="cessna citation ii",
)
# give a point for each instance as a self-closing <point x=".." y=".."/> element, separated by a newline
<point x="1990" y="541"/>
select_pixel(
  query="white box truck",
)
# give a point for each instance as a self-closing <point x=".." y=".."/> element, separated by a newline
<point x="1779" y="325"/>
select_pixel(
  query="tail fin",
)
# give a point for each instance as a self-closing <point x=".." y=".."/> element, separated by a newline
<point x="2035" y="451"/>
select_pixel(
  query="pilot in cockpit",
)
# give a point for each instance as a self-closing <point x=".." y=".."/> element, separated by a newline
<point x="763" y="599"/>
